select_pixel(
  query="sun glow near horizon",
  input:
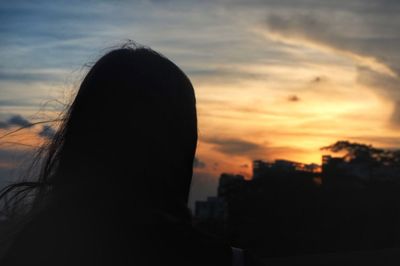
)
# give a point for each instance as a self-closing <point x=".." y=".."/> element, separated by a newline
<point x="290" y="111"/>
<point x="283" y="111"/>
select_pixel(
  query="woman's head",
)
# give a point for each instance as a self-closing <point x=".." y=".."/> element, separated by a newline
<point x="129" y="136"/>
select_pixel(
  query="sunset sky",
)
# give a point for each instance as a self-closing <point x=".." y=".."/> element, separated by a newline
<point x="273" y="79"/>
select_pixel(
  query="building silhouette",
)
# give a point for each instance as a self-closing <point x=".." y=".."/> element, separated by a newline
<point x="281" y="167"/>
<point x="211" y="209"/>
<point x="290" y="208"/>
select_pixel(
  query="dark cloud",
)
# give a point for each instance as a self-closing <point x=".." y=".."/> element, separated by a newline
<point x="18" y="120"/>
<point x="374" y="36"/>
<point x="239" y="147"/>
<point x="317" y="80"/>
<point x="293" y="98"/>
<point x="197" y="163"/>
<point x="244" y="165"/>
<point x="15" y="120"/>
<point x="47" y="132"/>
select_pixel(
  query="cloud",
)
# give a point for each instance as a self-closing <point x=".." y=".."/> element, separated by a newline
<point x="293" y="98"/>
<point x="20" y="122"/>
<point x="252" y="150"/>
<point x="47" y="132"/>
<point x="301" y="25"/>
<point x="225" y="74"/>
<point x="205" y="44"/>
<point x="197" y="163"/>
<point x="386" y="86"/>
<point x="317" y="80"/>
<point x="32" y="75"/>
<point x="15" y="120"/>
<point x="367" y="34"/>
<point x="236" y="147"/>
<point x="326" y="32"/>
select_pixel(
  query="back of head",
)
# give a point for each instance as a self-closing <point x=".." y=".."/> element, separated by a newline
<point x="130" y="135"/>
<point x="119" y="168"/>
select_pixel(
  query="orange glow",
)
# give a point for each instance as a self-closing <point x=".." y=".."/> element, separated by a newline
<point x="329" y="105"/>
<point x="25" y="139"/>
<point x="281" y="110"/>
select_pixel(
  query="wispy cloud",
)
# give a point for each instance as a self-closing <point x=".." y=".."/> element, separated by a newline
<point x="236" y="147"/>
<point x="47" y="132"/>
<point x="325" y="33"/>
<point x="15" y="120"/>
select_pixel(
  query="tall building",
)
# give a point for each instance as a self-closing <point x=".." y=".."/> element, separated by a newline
<point x="211" y="209"/>
<point x="228" y="182"/>
<point x="260" y="168"/>
<point x="280" y="167"/>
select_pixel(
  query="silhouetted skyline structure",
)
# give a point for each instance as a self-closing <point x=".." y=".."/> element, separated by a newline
<point x="349" y="203"/>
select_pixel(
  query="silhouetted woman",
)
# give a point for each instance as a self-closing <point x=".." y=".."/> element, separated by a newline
<point x="114" y="185"/>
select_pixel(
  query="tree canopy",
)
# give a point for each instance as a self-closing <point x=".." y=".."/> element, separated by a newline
<point x="366" y="153"/>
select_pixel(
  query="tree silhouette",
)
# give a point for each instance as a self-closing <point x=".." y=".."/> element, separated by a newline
<point x="357" y="152"/>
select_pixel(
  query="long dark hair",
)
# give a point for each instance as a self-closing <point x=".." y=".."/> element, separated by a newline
<point x="128" y="140"/>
